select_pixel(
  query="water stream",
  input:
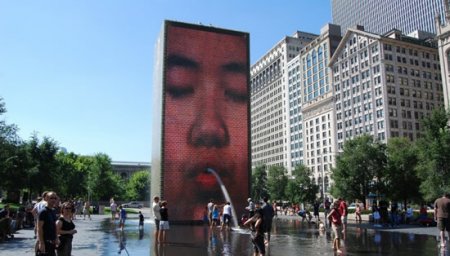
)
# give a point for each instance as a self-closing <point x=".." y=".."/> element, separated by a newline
<point x="226" y="195"/>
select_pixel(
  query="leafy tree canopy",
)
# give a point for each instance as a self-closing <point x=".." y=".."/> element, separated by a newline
<point x="259" y="182"/>
<point x="276" y="182"/>
<point x="359" y="169"/>
<point x="434" y="155"/>
<point x="301" y="188"/>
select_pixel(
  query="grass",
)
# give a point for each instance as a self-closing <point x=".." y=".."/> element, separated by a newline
<point x="128" y="210"/>
<point x="13" y="207"/>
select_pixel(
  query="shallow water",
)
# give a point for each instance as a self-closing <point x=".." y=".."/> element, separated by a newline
<point x="289" y="237"/>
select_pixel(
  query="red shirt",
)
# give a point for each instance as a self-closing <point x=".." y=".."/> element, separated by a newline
<point x="423" y="210"/>
<point x="343" y="208"/>
<point x="336" y="217"/>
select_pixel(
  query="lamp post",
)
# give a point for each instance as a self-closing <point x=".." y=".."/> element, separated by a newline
<point x="323" y="177"/>
<point x="322" y="165"/>
<point x="89" y="187"/>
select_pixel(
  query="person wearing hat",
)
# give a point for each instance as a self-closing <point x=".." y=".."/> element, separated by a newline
<point x="250" y="207"/>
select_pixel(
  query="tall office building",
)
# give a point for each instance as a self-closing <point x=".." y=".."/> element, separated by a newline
<point x="443" y="36"/>
<point x="311" y="116"/>
<point x="380" y="16"/>
<point x="269" y="101"/>
<point x="384" y="84"/>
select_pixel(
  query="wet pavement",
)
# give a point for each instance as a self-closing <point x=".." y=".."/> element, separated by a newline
<point x="290" y="237"/>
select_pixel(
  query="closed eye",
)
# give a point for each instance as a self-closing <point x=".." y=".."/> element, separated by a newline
<point x="178" y="92"/>
<point x="235" y="96"/>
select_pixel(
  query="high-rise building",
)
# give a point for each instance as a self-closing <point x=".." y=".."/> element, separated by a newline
<point x="384" y="84"/>
<point x="443" y="36"/>
<point x="311" y="116"/>
<point x="380" y="16"/>
<point x="269" y="101"/>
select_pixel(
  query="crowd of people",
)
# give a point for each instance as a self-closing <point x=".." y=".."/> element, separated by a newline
<point x="259" y="215"/>
<point x="52" y="220"/>
<point x="54" y="226"/>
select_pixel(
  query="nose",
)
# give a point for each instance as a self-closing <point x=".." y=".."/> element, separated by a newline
<point x="209" y="129"/>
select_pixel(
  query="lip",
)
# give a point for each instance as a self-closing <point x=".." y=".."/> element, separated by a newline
<point x="203" y="178"/>
<point x="206" y="180"/>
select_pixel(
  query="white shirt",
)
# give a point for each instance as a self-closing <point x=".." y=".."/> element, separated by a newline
<point x="113" y="207"/>
<point x="210" y="207"/>
<point x="251" y="206"/>
<point x="227" y="209"/>
<point x="40" y="206"/>
<point x="156" y="213"/>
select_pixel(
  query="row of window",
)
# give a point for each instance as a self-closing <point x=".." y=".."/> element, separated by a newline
<point x="257" y="140"/>
<point x="268" y="160"/>
<point x="270" y="73"/>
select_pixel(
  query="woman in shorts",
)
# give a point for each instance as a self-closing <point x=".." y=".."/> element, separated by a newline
<point x="164" y="223"/>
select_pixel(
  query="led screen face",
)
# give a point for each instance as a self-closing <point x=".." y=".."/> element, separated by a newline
<point x="205" y="124"/>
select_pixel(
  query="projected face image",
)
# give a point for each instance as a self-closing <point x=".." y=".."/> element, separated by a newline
<point x="206" y="116"/>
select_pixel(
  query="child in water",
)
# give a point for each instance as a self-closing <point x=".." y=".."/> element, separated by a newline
<point x="141" y="220"/>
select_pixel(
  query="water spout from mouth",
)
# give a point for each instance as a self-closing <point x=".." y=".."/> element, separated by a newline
<point x="225" y="194"/>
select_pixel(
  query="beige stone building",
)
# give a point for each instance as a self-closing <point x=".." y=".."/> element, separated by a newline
<point x="269" y="102"/>
<point x="384" y="84"/>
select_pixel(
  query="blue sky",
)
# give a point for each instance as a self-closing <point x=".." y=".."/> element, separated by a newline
<point x="81" y="71"/>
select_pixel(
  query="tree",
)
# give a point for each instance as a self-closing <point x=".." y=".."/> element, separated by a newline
<point x="276" y="182"/>
<point x="72" y="184"/>
<point x="401" y="177"/>
<point x="9" y="159"/>
<point x="301" y="188"/>
<point x="37" y="165"/>
<point x="138" y="186"/>
<point x="14" y="176"/>
<point x="434" y="155"/>
<point x="359" y="169"/>
<point x="102" y="182"/>
<point x="8" y="132"/>
<point x="259" y="182"/>
<point x="43" y="158"/>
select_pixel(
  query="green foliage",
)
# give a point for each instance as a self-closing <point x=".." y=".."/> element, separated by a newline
<point x="359" y="169"/>
<point x="301" y="188"/>
<point x="401" y="177"/>
<point x="128" y="210"/>
<point x="9" y="149"/>
<point x="277" y="182"/>
<point x="38" y="164"/>
<point x="434" y="155"/>
<point x="43" y="158"/>
<point x="102" y="182"/>
<point x="259" y="182"/>
<point x="8" y="132"/>
<point x="138" y="186"/>
<point x="74" y="176"/>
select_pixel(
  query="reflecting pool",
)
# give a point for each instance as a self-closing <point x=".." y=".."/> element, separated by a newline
<point x="289" y="237"/>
